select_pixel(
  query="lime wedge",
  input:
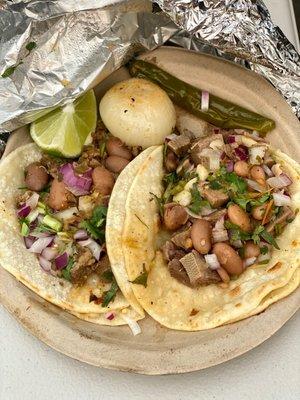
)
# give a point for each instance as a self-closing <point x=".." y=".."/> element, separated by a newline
<point x="64" y="131"/>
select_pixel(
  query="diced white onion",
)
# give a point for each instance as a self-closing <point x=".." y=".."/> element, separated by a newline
<point x="217" y="144"/>
<point x="256" y="154"/>
<point x="183" y="198"/>
<point x="212" y="261"/>
<point x="66" y="214"/>
<point x="254" y="185"/>
<point x="249" y="261"/>
<point x="93" y="280"/>
<point x="279" y="182"/>
<point x="40" y="244"/>
<point x="276" y="169"/>
<point x="45" y="264"/>
<point x="237" y="243"/>
<point x="85" y="203"/>
<point x="190" y="184"/>
<point x="248" y="142"/>
<point x="93" y="246"/>
<point x="267" y="170"/>
<point x="133" y="325"/>
<point x="33" y="200"/>
<point x="49" y="253"/>
<point x="214" y="157"/>
<point x="204" y="100"/>
<point x="281" y="199"/>
<point x="220" y="236"/>
<point x="202" y="172"/>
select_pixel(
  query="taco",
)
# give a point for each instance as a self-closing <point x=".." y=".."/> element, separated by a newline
<point x="53" y="216"/>
<point x="211" y="234"/>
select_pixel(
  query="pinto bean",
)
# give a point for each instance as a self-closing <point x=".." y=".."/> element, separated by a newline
<point x="58" y="196"/>
<point x="251" y="250"/>
<point x="201" y="234"/>
<point x="174" y="216"/>
<point x="228" y="258"/>
<point x="36" y="177"/>
<point x="241" y="168"/>
<point x="115" y="163"/>
<point x="258" y="174"/>
<point x="223" y="274"/>
<point x="239" y="217"/>
<point x="171" y="161"/>
<point x="115" y="147"/>
<point x="103" y="180"/>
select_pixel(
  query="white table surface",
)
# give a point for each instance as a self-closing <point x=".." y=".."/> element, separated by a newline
<point x="30" y="370"/>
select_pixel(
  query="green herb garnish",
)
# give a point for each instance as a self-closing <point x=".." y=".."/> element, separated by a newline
<point x="264" y="250"/>
<point x="30" y="46"/>
<point x="95" y="226"/>
<point x="66" y="272"/>
<point x="197" y="202"/>
<point x="110" y="294"/>
<point x="25" y="229"/>
<point x="160" y="204"/>
<point x="141" y="279"/>
<point x="108" y="276"/>
<point x="269" y="238"/>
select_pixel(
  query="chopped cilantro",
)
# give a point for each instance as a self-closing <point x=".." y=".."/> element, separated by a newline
<point x="110" y="294"/>
<point x="96" y="224"/>
<point x="108" y="276"/>
<point x="216" y="185"/>
<point x="256" y="234"/>
<point x="238" y="184"/>
<point x="269" y="238"/>
<point x="236" y="233"/>
<point x="141" y="279"/>
<point x="30" y="46"/>
<point x="264" y="250"/>
<point x="66" y="272"/>
<point x="197" y="202"/>
<point x="160" y="204"/>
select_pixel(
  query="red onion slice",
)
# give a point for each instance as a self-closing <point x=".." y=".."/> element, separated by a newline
<point x="45" y="264"/>
<point x="278" y="182"/>
<point x="212" y="261"/>
<point x="281" y="199"/>
<point x="204" y="100"/>
<point x="79" y="185"/>
<point x="28" y="240"/>
<point x="242" y="152"/>
<point x="267" y="170"/>
<point x="33" y="200"/>
<point x="62" y="261"/>
<point x="23" y="211"/>
<point x="230" y="139"/>
<point x="39" y="245"/>
<point x="81" y="235"/>
<point x="110" y="316"/>
<point x="49" y="253"/>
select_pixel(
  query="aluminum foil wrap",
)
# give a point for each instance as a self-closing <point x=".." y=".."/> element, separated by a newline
<point x="52" y="51"/>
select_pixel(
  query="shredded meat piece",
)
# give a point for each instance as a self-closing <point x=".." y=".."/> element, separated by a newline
<point x="216" y="198"/>
<point x="216" y="215"/>
<point x="179" y="145"/>
<point x="84" y="265"/>
<point x="22" y="198"/>
<point x="198" y="271"/>
<point x="52" y="165"/>
<point x="178" y="272"/>
<point x="201" y="144"/>
<point x="170" y="251"/>
<point x="183" y="239"/>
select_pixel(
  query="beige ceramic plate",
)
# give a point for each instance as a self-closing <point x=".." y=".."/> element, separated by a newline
<point x="159" y="350"/>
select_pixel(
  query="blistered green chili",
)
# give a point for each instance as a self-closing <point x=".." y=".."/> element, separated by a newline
<point x="221" y="112"/>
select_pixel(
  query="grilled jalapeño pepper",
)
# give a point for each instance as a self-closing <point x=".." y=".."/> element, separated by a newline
<point x="221" y="112"/>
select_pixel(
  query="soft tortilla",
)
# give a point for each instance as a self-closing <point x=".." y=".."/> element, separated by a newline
<point x="16" y="259"/>
<point x="180" y="307"/>
<point x="114" y="226"/>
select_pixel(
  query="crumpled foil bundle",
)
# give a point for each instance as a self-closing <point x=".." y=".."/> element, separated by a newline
<point x="51" y="51"/>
